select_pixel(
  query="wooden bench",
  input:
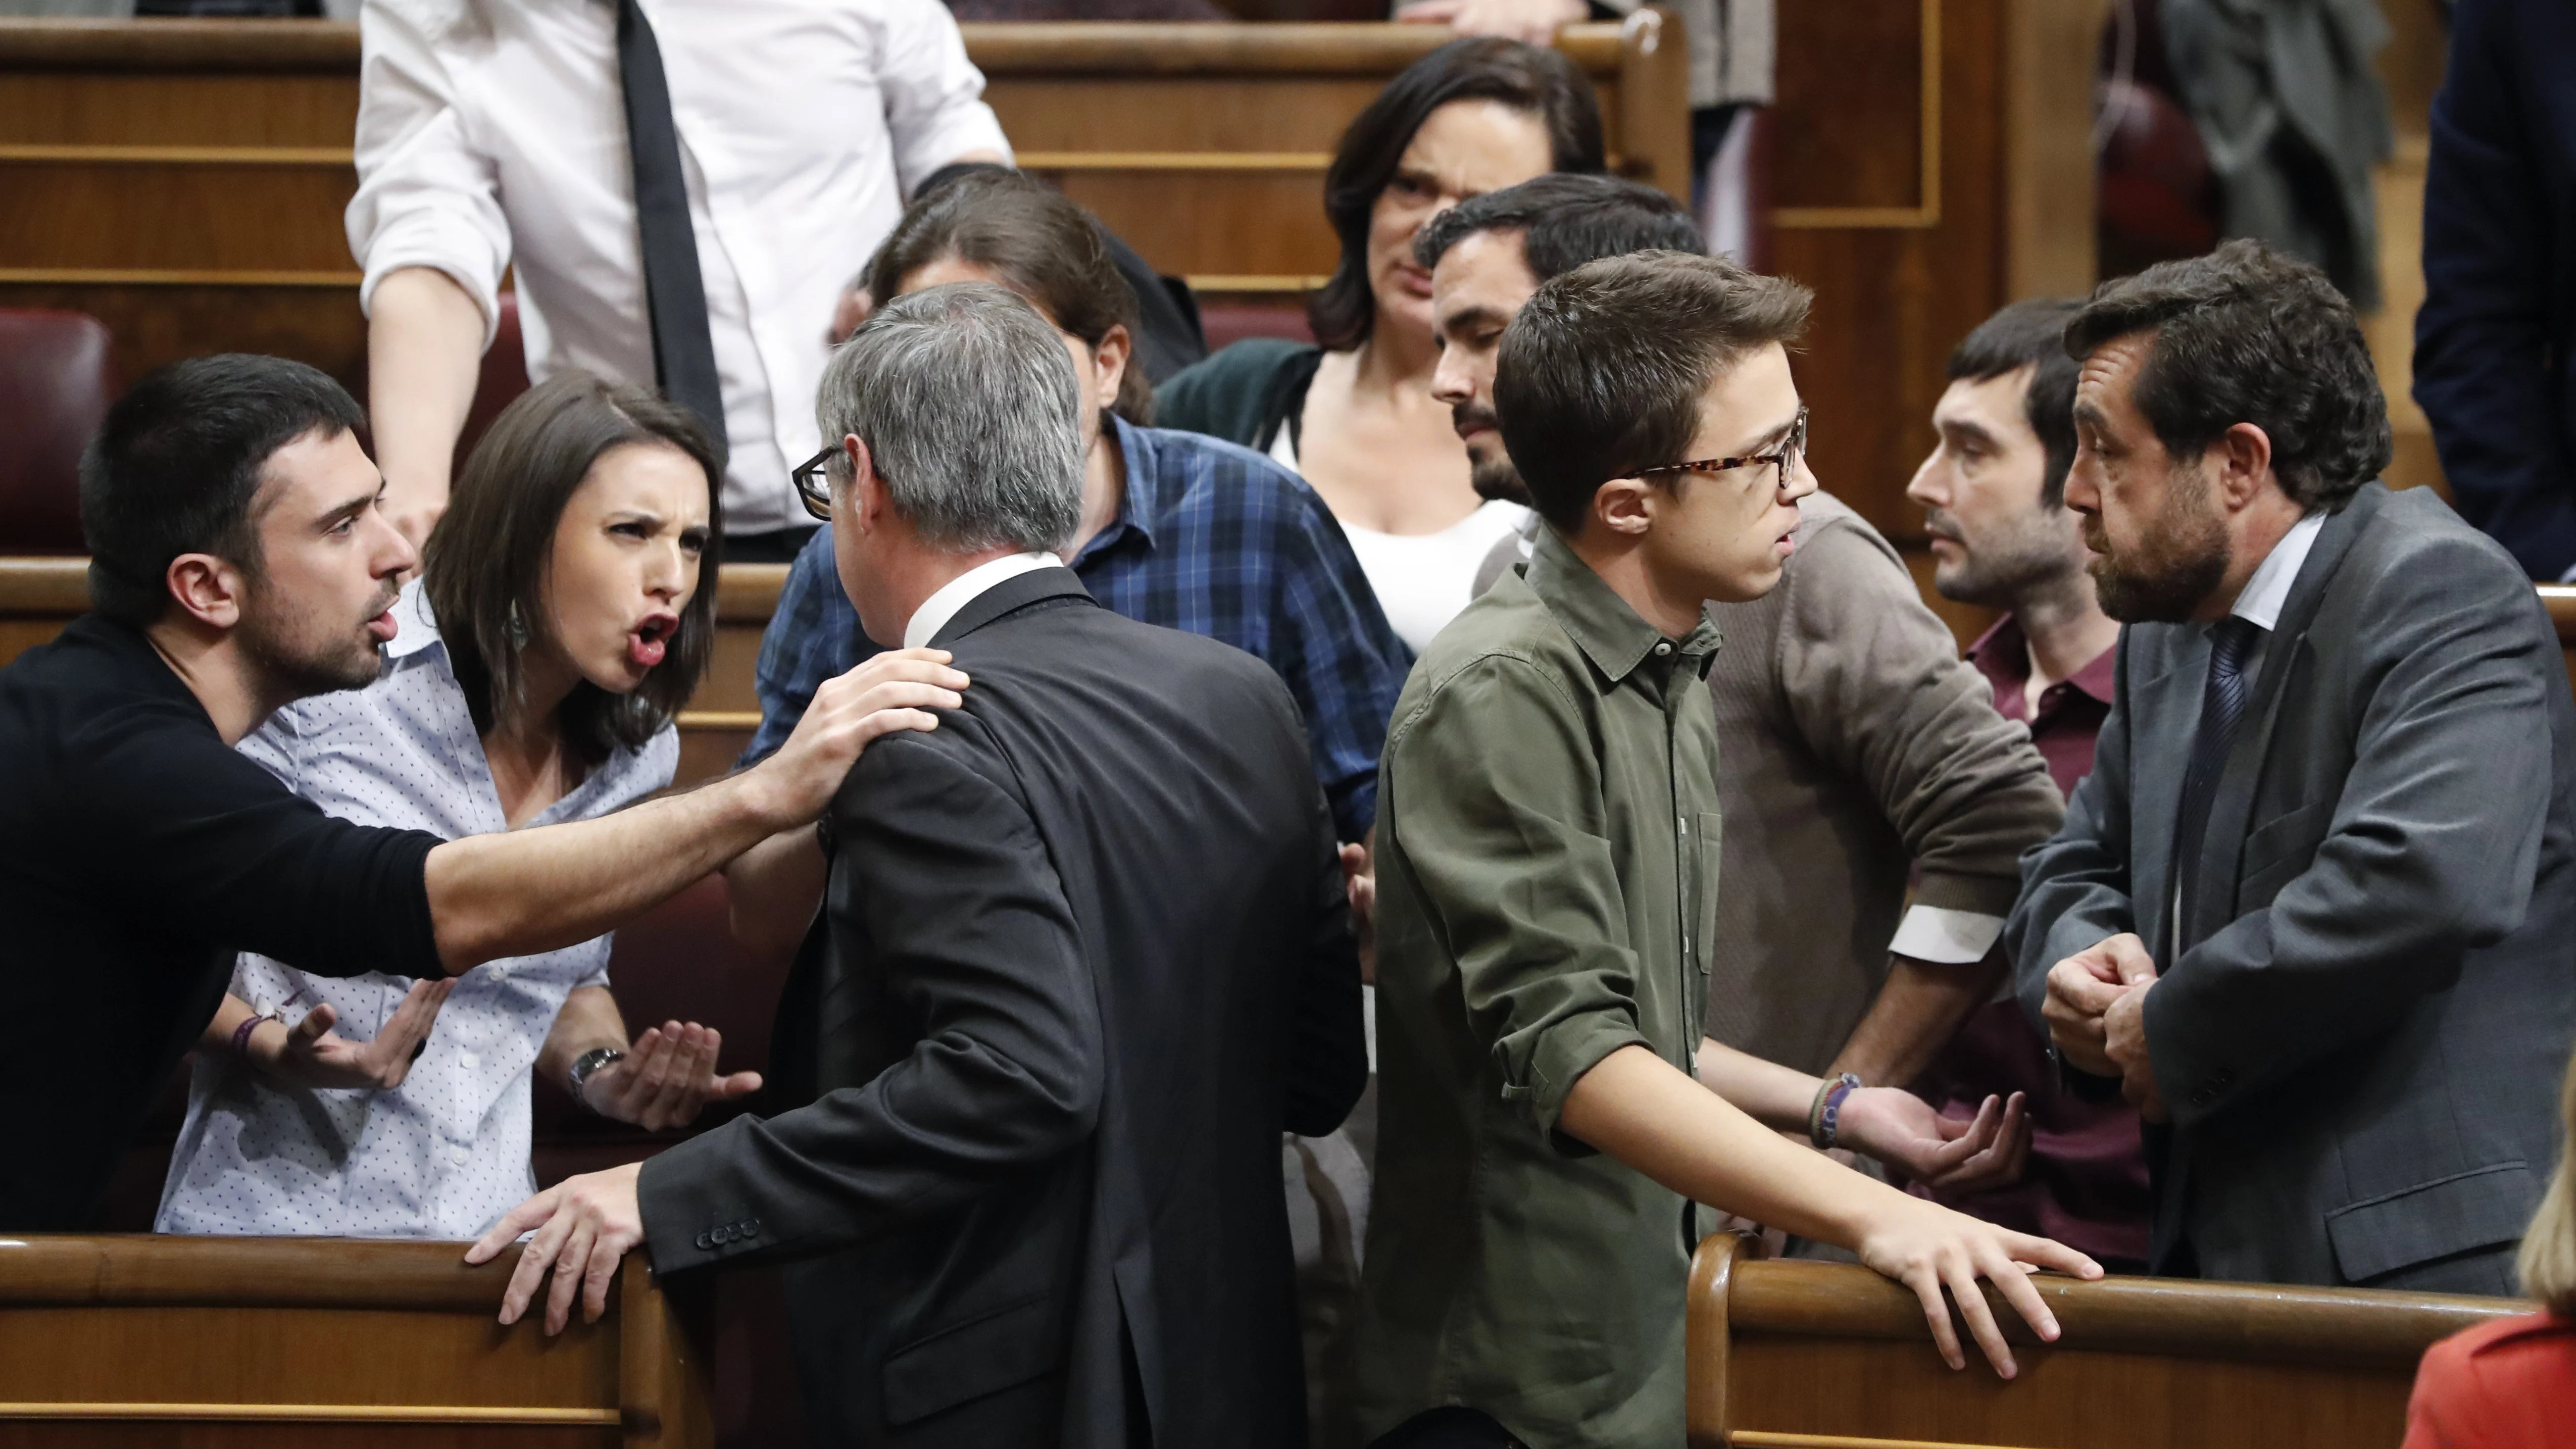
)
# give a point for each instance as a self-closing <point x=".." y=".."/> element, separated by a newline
<point x="1798" y="1355"/>
<point x="287" y="1342"/>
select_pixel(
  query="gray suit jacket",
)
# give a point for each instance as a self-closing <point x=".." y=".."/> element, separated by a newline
<point x="2361" y="1030"/>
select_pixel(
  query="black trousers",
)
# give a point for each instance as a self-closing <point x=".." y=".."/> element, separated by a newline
<point x="1451" y="1427"/>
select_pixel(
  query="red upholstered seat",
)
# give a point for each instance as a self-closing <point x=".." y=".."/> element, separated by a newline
<point x="56" y="380"/>
<point x="1225" y="325"/>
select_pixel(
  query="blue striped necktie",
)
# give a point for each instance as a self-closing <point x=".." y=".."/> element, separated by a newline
<point x="2222" y="703"/>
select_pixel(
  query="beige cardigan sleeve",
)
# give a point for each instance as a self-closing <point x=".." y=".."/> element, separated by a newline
<point x="1873" y="681"/>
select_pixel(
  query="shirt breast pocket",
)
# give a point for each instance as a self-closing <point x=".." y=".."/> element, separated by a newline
<point x="1699" y="863"/>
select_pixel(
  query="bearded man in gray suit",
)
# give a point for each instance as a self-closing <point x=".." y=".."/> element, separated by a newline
<point x="2315" y="909"/>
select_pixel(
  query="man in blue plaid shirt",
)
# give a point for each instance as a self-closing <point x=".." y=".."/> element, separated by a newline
<point x="1209" y="538"/>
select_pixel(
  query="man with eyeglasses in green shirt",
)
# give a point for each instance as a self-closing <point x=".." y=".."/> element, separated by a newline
<point x="1548" y="838"/>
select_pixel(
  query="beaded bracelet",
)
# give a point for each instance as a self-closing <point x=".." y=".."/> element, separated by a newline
<point x="1825" y="1116"/>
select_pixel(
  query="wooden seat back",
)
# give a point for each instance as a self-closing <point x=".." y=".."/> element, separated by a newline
<point x="1802" y="1355"/>
<point x="292" y="1342"/>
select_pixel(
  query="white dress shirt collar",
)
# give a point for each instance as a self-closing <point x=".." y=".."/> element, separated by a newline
<point x="2259" y="603"/>
<point x="415" y="627"/>
<point x="957" y="593"/>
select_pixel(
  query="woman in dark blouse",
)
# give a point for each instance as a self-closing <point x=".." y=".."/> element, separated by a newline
<point x="1354" y="415"/>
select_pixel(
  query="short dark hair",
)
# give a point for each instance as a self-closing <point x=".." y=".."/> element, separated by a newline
<point x="1566" y="219"/>
<point x="2248" y="334"/>
<point x="1602" y="372"/>
<point x="2031" y="334"/>
<point x="1528" y="78"/>
<point x="485" y="567"/>
<point x="1038" y="242"/>
<point x="176" y="468"/>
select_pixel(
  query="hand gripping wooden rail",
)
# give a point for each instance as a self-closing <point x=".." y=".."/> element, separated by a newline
<point x="296" y="1341"/>
<point x="1798" y="1355"/>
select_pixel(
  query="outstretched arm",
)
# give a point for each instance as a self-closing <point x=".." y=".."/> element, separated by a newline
<point x="424" y="352"/>
<point x="1641" y="1110"/>
<point x="527" y="891"/>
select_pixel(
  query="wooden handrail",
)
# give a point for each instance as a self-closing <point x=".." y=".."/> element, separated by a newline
<point x="164" y="1271"/>
<point x="269" y="47"/>
<point x="1100" y="47"/>
<point x="2171" y="1317"/>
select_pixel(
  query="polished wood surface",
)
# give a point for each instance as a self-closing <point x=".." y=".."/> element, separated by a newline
<point x="185" y="180"/>
<point x="222" y="1341"/>
<point x="1815" y="1354"/>
<point x="1889" y="172"/>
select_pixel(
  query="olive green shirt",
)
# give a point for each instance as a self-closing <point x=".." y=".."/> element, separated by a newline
<point x="1548" y="839"/>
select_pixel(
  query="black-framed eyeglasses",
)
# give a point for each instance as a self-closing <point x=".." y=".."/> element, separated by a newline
<point x="1791" y="449"/>
<point x="813" y="488"/>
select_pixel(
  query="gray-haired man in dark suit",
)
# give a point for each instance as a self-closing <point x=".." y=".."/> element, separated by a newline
<point x="1081" y="961"/>
<point x="2315" y="908"/>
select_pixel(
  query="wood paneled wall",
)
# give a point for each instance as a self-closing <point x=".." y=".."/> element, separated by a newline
<point x="185" y="180"/>
<point x="1930" y="161"/>
<point x="318" y="1341"/>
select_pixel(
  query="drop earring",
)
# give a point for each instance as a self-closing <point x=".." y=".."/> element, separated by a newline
<point x="518" y="629"/>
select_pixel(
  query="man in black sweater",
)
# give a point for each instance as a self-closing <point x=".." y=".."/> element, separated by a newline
<point x="1088" y="953"/>
<point x="240" y="561"/>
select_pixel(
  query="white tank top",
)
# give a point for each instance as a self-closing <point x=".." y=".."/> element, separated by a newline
<point x="1422" y="580"/>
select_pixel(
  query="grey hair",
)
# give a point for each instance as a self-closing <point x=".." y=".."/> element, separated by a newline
<point x="968" y="405"/>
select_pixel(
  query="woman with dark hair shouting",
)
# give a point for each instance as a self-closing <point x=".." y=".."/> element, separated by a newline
<point x="1355" y="414"/>
<point x="557" y="626"/>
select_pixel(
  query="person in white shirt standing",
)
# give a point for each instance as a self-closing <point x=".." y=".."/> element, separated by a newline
<point x="516" y="136"/>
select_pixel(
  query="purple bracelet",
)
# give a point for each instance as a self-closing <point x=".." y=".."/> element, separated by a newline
<point x="1830" y="1117"/>
<point x="241" y="1033"/>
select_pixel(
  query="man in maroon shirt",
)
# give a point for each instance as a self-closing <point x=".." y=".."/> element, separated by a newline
<point x="1993" y="495"/>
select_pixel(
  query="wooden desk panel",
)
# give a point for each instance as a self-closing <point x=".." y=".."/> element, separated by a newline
<point x="1830" y="1356"/>
<point x="185" y="180"/>
<point x="218" y="1341"/>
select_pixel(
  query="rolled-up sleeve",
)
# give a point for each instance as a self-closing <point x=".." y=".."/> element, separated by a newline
<point x="934" y="95"/>
<point x="1496" y="799"/>
<point x="1875" y="685"/>
<point x="427" y="196"/>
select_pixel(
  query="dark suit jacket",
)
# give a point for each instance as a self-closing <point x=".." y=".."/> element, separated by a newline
<point x="2362" y="1031"/>
<point x="2495" y="343"/>
<point x="1088" y="956"/>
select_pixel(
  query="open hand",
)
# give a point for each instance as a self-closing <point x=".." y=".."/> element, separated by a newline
<point x="312" y="1055"/>
<point x="1904" y="1131"/>
<point x="892" y="691"/>
<point x="583" y="1226"/>
<point x="1928" y="1248"/>
<point x="665" y="1079"/>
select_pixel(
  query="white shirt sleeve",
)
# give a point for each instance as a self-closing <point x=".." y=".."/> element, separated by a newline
<point x="1945" y="937"/>
<point x="934" y="95"/>
<point x="427" y="197"/>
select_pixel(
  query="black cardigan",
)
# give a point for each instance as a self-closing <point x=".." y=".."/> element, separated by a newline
<point x="1242" y="394"/>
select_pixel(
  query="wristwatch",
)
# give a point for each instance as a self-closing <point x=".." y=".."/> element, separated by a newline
<point x="587" y="1063"/>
